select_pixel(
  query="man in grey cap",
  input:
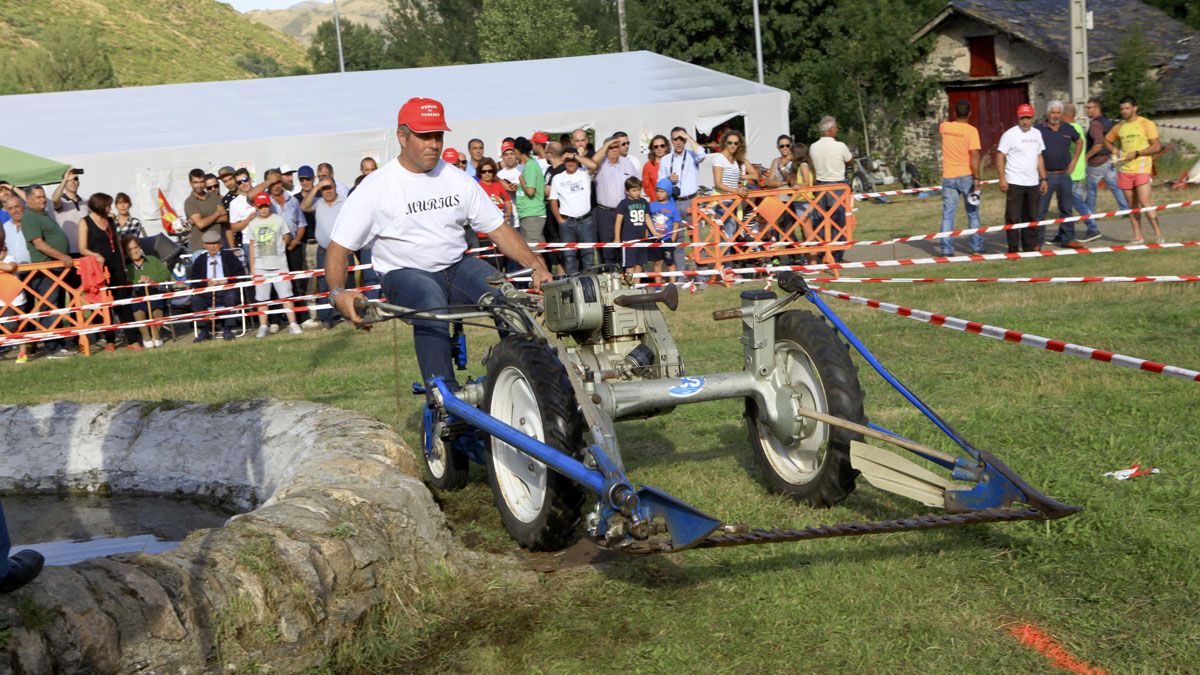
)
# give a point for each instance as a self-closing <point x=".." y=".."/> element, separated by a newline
<point x="211" y="268"/>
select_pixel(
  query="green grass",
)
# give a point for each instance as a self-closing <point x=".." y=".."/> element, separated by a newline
<point x="1117" y="584"/>
<point x="156" y="41"/>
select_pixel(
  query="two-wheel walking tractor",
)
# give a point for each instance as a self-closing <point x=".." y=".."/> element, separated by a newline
<point x="592" y="350"/>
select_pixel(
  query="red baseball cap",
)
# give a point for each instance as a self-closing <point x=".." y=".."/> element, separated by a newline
<point x="262" y="199"/>
<point x="1024" y="110"/>
<point x="539" y="137"/>
<point x="450" y="156"/>
<point x="506" y="146"/>
<point x="422" y="115"/>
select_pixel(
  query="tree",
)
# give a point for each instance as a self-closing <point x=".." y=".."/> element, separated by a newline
<point x="1131" y="76"/>
<point x="827" y="53"/>
<point x="516" y="30"/>
<point x="1187" y="11"/>
<point x="363" y="48"/>
<point x="258" y="65"/>
<point x="68" y="57"/>
<point x="432" y="32"/>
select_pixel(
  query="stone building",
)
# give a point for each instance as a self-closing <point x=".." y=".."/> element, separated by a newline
<point x="998" y="54"/>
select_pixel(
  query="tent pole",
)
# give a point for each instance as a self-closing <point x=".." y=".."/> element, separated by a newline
<point x="758" y="43"/>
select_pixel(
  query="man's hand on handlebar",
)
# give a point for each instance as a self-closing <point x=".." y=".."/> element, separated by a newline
<point x="345" y="305"/>
<point x="540" y="276"/>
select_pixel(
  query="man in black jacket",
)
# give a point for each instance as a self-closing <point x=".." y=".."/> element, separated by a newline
<point x="209" y="269"/>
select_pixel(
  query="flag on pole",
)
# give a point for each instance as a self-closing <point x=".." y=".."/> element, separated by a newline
<point x="168" y="215"/>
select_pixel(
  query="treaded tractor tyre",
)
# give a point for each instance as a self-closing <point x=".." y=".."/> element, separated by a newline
<point x="815" y="469"/>
<point x="446" y="468"/>
<point x="527" y="388"/>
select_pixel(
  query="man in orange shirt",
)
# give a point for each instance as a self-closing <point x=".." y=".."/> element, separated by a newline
<point x="960" y="174"/>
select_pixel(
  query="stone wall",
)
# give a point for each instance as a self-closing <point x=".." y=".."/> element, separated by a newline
<point x="340" y="510"/>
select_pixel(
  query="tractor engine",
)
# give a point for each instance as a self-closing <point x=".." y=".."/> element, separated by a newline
<point x="619" y="331"/>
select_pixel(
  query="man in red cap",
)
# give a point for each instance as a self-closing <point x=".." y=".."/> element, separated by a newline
<point x="454" y="158"/>
<point x="539" y="139"/>
<point x="1022" y="178"/>
<point x="412" y="213"/>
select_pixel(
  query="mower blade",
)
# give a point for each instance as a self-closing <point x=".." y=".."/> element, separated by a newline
<point x="892" y="473"/>
<point x="686" y="525"/>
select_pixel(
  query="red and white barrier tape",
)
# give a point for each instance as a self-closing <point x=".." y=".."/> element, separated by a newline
<point x="1185" y="127"/>
<point x="1026" y="339"/>
<point x="141" y="300"/>
<point x="203" y="315"/>
<point x="1008" y="280"/>
<point x="910" y="191"/>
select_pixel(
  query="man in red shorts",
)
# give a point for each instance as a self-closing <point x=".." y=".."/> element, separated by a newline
<point x="1137" y="138"/>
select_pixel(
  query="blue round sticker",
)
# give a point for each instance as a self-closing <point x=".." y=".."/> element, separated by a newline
<point x="688" y="386"/>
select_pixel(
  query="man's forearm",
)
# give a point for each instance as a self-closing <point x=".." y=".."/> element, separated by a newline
<point x="335" y="265"/>
<point x="513" y="245"/>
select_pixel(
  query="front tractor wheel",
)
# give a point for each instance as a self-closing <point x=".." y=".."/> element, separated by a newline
<point x="812" y="361"/>
<point x="528" y="389"/>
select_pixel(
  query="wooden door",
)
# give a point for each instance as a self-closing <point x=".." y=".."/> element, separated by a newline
<point x="993" y="110"/>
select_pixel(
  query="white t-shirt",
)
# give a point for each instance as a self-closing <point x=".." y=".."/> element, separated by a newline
<point x="573" y="192"/>
<point x="267" y="235"/>
<point x="240" y="209"/>
<point x="829" y="157"/>
<point x="512" y="175"/>
<point x="731" y="173"/>
<point x="415" y="220"/>
<point x="1021" y="150"/>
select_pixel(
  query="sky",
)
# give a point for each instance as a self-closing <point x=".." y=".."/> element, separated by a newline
<point x="247" y="5"/>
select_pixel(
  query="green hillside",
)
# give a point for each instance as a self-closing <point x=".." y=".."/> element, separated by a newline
<point x="157" y="41"/>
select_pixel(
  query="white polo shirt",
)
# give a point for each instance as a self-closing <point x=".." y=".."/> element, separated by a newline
<point x="415" y="220"/>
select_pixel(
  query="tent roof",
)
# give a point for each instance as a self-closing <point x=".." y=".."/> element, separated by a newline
<point x="204" y="113"/>
<point x="22" y="168"/>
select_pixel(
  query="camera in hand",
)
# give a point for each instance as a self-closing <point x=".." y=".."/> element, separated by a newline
<point x="77" y="172"/>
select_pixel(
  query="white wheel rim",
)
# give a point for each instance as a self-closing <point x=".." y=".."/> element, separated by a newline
<point x="437" y="457"/>
<point x="521" y="479"/>
<point x="797" y="463"/>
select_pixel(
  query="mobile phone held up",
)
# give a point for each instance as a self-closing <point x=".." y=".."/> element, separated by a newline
<point x="77" y="172"/>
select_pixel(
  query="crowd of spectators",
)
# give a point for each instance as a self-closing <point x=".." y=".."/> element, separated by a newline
<point x="569" y="189"/>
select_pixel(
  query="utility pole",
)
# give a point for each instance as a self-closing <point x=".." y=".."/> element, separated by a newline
<point x="337" y="28"/>
<point x="621" y="25"/>
<point x="758" y="44"/>
<point x="1081" y="21"/>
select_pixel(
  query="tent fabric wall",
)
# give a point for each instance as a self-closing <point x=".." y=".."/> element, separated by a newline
<point x="149" y="137"/>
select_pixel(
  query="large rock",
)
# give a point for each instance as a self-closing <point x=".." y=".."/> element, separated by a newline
<point x="332" y="506"/>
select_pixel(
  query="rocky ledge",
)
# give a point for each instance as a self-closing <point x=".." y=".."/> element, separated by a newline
<point x="333" y="508"/>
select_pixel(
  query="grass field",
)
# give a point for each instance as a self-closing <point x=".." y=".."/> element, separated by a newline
<point x="1116" y="584"/>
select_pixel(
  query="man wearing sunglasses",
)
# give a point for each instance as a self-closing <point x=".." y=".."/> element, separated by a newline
<point x="411" y="214"/>
<point x="635" y="160"/>
<point x="682" y="168"/>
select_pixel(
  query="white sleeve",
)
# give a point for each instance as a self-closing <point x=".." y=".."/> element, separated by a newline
<point x="355" y="224"/>
<point x="482" y="213"/>
<point x="1005" y="144"/>
<point x="846" y="154"/>
<point x="553" y="190"/>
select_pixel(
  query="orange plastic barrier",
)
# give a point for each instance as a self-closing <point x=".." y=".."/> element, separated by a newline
<point x="29" y="277"/>
<point x="786" y="216"/>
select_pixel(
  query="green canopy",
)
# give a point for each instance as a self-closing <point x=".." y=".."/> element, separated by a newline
<point x="22" y="168"/>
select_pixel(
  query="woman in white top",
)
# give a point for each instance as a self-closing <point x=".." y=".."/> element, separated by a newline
<point x="8" y="283"/>
<point x="731" y="174"/>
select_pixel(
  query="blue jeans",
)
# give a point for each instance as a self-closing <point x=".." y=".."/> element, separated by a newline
<point x="323" y="315"/>
<point x="5" y="544"/>
<point x="954" y="190"/>
<point x="581" y="230"/>
<point x="1108" y="173"/>
<point x="1058" y="185"/>
<point x="1079" y="196"/>
<point x="464" y="282"/>
<point x="369" y="277"/>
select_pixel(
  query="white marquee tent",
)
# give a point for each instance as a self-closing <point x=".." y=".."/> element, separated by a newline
<point x="141" y="139"/>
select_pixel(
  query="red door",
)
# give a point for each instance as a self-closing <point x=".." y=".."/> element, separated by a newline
<point x="993" y="110"/>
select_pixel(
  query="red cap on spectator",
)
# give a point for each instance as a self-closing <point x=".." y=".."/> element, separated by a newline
<point x="422" y="115"/>
<point x="262" y="199"/>
<point x="506" y="146"/>
<point x="539" y="137"/>
<point x="450" y="156"/>
<point x="1024" y="110"/>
